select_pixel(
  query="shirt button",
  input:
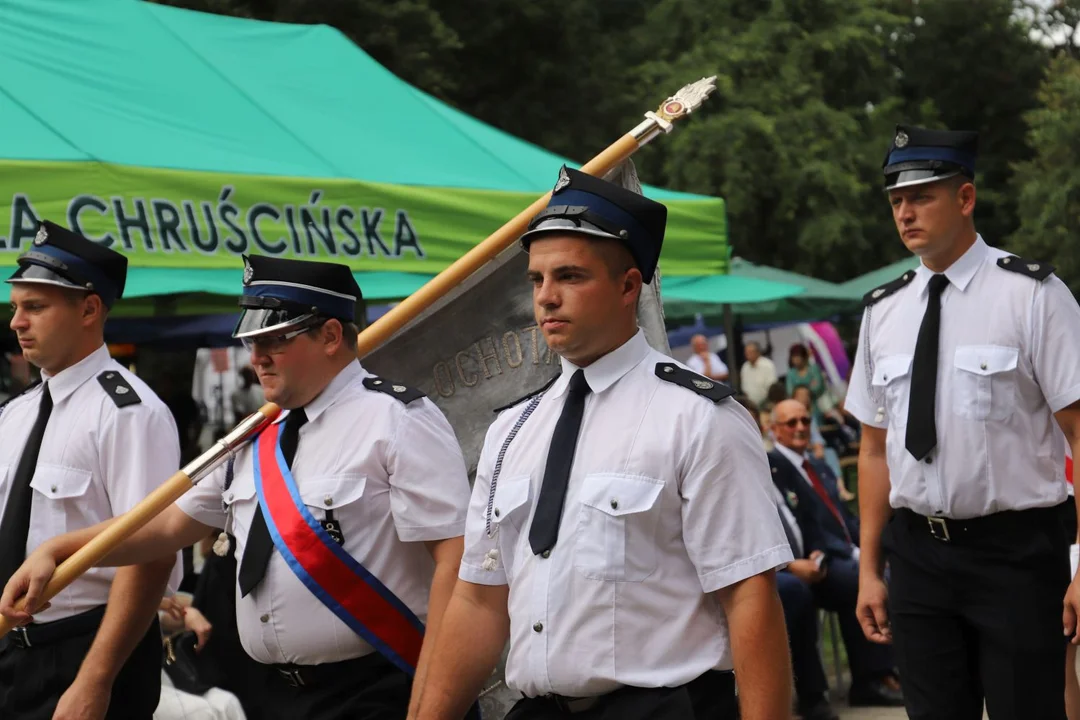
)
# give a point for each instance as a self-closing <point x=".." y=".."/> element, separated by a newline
<point x="328" y="501"/>
<point x="929" y="461"/>
<point x="496" y="512"/>
<point x="982" y="366"/>
<point x="229" y="498"/>
<point x="52" y="489"/>
<point x="538" y="627"/>
<point x="614" y="504"/>
<point x="546" y="554"/>
<point x="264" y="619"/>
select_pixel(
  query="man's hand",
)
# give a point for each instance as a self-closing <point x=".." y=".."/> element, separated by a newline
<point x="84" y="700"/>
<point x="29" y="581"/>
<point x="1072" y="612"/>
<point x="872" y="609"/>
<point x="197" y="623"/>
<point x="809" y="570"/>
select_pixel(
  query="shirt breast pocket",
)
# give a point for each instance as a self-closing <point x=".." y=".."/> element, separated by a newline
<point x="984" y="381"/>
<point x="617" y="522"/>
<point x="61" y="491"/>
<point x="509" y="510"/>
<point x="892" y="384"/>
<point x="239" y="502"/>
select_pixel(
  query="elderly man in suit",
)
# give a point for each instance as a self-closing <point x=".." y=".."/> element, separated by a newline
<point x="828" y="527"/>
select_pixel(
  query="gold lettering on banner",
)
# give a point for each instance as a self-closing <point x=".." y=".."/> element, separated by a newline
<point x="514" y="357"/>
<point x="535" y="330"/>
<point x="486" y="358"/>
<point x="444" y="380"/>
<point x="468" y="378"/>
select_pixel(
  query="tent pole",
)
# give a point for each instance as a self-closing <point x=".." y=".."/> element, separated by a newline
<point x="732" y="357"/>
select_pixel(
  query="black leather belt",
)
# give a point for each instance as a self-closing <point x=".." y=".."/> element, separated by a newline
<point x="574" y="705"/>
<point x="38" y="634"/>
<point x="356" y="669"/>
<point x="977" y="529"/>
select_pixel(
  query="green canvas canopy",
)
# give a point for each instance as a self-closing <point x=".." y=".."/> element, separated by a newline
<point x="863" y="284"/>
<point x="186" y="139"/>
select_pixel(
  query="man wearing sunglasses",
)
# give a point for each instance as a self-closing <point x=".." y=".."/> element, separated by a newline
<point x="829" y="561"/>
<point x="347" y="513"/>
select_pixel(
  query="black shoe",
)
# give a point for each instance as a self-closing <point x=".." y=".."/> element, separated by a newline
<point x="820" y="710"/>
<point x="875" y="694"/>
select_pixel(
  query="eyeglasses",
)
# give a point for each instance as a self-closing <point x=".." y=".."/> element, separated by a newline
<point x="798" y="421"/>
<point x="274" y="344"/>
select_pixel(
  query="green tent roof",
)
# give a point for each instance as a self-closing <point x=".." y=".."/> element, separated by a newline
<point x="863" y="284"/>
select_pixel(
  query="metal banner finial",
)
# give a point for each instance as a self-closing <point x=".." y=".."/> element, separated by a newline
<point x="688" y="99"/>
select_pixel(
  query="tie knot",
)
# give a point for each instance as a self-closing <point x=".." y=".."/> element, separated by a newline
<point x="938" y="283"/>
<point x="578" y="384"/>
<point x="296" y="418"/>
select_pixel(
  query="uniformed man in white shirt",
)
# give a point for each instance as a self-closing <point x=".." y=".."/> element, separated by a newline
<point x="347" y="513"/>
<point x="85" y="444"/>
<point x="622" y="529"/>
<point x="964" y="366"/>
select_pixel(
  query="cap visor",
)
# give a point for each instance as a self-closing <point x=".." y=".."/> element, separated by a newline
<point x="908" y="178"/>
<point x="267" y="321"/>
<point x="31" y="273"/>
<point x="560" y="226"/>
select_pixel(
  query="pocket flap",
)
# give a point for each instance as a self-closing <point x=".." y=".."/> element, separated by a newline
<point x="333" y="492"/>
<point x="58" y="482"/>
<point x="986" y="359"/>
<point x="510" y="494"/>
<point x="616" y="494"/>
<point x="891" y="367"/>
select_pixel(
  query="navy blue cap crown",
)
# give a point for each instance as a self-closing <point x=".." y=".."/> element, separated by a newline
<point x="917" y="155"/>
<point x="279" y="291"/>
<point x="66" y="259"/>
<point x="587" y="205"/>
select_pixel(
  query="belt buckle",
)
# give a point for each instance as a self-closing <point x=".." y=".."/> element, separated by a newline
<point x="292" y="677"/>
<point x="20" y="638"/>
<point x="939" y="528"/>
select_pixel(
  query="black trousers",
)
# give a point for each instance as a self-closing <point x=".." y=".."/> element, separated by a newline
<point x="710" y="697"/>
<point x="800" y="616"/>
<point x="979" y="616"/>
<point x="368" y="688"/>
<point x="33" y="679"/>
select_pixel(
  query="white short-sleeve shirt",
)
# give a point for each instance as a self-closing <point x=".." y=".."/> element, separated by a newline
<point x="97" y="461"/>
<point x="392" y="474"/>
<point x="670" y="498"/>
<point x="1007" y="362"/>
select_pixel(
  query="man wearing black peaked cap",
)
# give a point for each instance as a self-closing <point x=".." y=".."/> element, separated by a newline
<point x="346" y="514"/>
<point x="87" y="443"/>
<point x="622" y="529"/>
<point x="965" y="376"/>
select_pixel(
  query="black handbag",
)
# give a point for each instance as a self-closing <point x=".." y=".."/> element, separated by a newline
<point x="181" y="664"/>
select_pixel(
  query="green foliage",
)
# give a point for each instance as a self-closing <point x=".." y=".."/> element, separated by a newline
<point x="1048" y="184"/>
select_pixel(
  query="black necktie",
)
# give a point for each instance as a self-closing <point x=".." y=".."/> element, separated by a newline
<point x="545" y="525"/>
<point x="259" y="545"/>
<point x="921" y="428"/>
<point x="15" y="526"/>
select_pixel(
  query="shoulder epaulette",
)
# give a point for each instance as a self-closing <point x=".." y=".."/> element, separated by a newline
<point x="888" y="288"/>
<point x="1038" y="270"/>
<point x="672" y="373"/>
<point x="523" y="398"/>
<point x="118" y="389"/>
<point x="395" y="390"/>
<point x="22" y="392"/>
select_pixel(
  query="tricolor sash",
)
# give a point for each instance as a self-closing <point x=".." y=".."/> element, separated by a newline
<point x="342" y="584"/>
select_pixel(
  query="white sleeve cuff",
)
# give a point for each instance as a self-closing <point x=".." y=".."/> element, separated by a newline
<point x="774" y="557"/>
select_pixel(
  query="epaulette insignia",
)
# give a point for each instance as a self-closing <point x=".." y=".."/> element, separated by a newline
<point x="672" y="373"/>
<point x="118" y="388"/>
<point x="395" y="390"/>
<point x="888" y="288"/>
<point x="22" y="392"/>
<point x="1038" y="270"/>
<point x="523" y="398"/>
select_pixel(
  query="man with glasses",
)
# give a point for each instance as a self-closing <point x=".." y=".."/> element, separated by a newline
<point x="829" y="561"/>
<point x="347" y="513"/>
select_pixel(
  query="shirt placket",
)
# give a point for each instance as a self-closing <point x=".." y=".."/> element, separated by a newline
<point x="541" y="630"/>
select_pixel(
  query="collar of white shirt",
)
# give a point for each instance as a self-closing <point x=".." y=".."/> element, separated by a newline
<point x="795" y="458"/>
<point x="604" y="372"/>
<point x="960" y="272"/>
<point x="331" y="392"/>
<point x="71" y="379"/>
